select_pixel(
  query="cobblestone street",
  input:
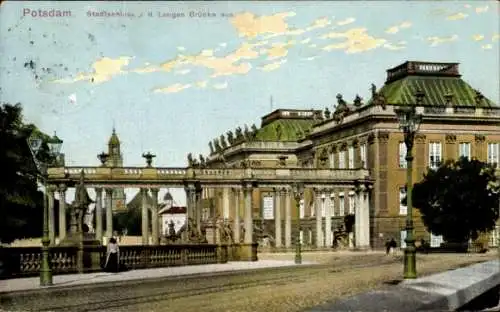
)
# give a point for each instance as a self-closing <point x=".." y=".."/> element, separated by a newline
<point x="279" y="289"/>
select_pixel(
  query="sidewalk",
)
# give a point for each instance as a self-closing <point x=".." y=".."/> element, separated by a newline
<point x="33" y="283"/>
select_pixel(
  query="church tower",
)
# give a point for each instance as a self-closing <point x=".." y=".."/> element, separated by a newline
<point x="115" y="159"/>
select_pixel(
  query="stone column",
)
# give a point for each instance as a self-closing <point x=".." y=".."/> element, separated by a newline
<point x="277" y="218"/>
<point x="144" y="216"/>
<point x="328" y="220"/>
<point x="236" y="225"/>
<point x="154" y="217"/>
<point x="109" y="213"/>
<point x="365" y="226"/>
<point x="358" y="218"/>
<point x="317" y="204"/>
<point x="98" y="214"/>
<point x="225" y="203"/>
<point x="198" y="207"/>
<point x="247" y="191"/>
<point x="190" y="202"/>
<point x="52" y="225"/>
<point x="62" y="212"/>
<point x="288" y="218"/>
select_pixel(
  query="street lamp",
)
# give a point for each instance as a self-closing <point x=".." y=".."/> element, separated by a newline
<point x="409" y="123"/>
<point x="35" y="145"/>
<point x="298" y="191"/>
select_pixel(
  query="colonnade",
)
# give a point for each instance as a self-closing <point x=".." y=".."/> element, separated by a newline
<point x="236" y="197"/>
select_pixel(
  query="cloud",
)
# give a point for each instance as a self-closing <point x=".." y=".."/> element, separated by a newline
<point x="477" y="37"/>
<point x="183" y="72"/>
<point x="457" y="16"/>
<point x="483" y="9"/>
<point x="181" y="48"/>
<point x="434" y="40"/>
<point x="250" y="25"/>
<point x="278" y="50"/>
<point x="103" y="70"/>
<point x="347" y="21"/>
<point x="495" y="37"/>
<point x="220" y="86"/>
<point x="272" y="66"/>
<point x="394" y="29"/>
<point x="223" y="44"/>
<point x="316" y="24"/>
<point x="305" y="40"/>
<point x="394" y="47"/>
<point x="467" y="6"/>
<point x="313" y="45"/>
<point x="487" y="47"/>
<point x="202" y="84"/>
<point x="356" y="40"/>
<point x="172" y="88"/>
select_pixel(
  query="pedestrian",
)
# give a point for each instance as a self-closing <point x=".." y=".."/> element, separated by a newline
<point x="113" y="257"/>
<point x="392" y="245"/>
<point x="387" y="246"/>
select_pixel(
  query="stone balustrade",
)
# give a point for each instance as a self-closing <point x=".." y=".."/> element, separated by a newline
<point x="25" y="261"/>
<point x="177" y="176"/>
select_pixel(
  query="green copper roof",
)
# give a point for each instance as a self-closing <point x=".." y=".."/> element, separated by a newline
<point x="403" y="91"/>
<point x="291" y="129"/>
<point x="113" y="140"/>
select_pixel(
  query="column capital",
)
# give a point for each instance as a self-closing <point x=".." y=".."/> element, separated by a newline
<point x="62" y="187"/>
<point x="51" y="188"/>
<point x="247" y="185"/>
<point x="98" y="190"/>
<point x="109" y="191"/>
<point x="154" y="190"/>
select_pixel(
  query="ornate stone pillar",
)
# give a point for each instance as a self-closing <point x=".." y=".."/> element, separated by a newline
<point x="190" y="202"/>
<point x="247" y="193"/>
<point x="62" y="212"/>
<point x="317" y="205"/>
<point x="288" y="218"/>
<point x="277" y="217"/>
<point x="358" y="217"/>
<point x="144" y="216"/>
<point x="365" y="225"/>
<point x="328" y="220"/>
<point x="198" y="207"/>
<point x="236" y="225"/>
<point x="109" y="213"/>
<point x="225" y="202"/>
<point x="52" y="233"/>
<point x="98" y="214"/>
<point x="154" y="217"/>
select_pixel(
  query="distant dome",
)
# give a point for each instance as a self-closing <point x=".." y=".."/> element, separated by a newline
<point x="113" y="140"/>
<point x="168" y="196"/>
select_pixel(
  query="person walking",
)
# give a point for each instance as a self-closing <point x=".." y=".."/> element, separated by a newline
<point x="113" y="257"/>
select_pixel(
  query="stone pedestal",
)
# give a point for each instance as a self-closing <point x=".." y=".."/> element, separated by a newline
<point x="247" y="252"/>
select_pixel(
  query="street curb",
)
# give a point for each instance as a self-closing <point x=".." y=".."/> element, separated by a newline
<point x="139" y="281"/>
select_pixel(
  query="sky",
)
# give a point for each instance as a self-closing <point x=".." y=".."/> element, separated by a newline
<point x="171" y="76"/>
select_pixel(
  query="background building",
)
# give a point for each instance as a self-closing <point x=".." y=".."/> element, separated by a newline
<point x="458" y="121"/>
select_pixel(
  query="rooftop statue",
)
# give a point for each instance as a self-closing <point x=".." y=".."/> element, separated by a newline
<point x="211" y="146"/>
<point x="223" y="141"/>
<point x="230" y="137"/>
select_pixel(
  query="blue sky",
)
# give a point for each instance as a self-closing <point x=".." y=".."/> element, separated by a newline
<point x="171" y="85"/>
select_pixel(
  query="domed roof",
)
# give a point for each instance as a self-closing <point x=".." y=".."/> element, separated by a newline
<point x="168" y="196"/>
<point x="113" y="140"/>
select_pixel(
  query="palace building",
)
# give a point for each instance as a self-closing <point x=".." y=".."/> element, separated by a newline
<point x="457" y="121"/>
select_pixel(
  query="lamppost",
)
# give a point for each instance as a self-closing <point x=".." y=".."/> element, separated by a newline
<point x="298" y="191"/>
<point x="409" y="122"/>
<point x="54" y="144"/>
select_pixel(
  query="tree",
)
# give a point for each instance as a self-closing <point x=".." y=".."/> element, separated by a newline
<point x="459" y="200"/>
<point x="20" y="201"/>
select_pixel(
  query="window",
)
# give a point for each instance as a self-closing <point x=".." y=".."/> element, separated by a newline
<point x="341" y="204"/>
<point x="363" y="155"/>
<point x="331" y="158"/>
<point x="302" y="209"/>
<point x="267" y="208"/>
<point x="464" y="150"/>
<point x="493" y="153"/>
<point x="494" y="237"/>
<point x="351" y="203"/>
<point x="403" y="209"/>
<point x="351" y="157"/>
<point x="434" y="155"/>
<point x="332" y="205"/>
<point x="342" y="160"/>
<point x="402" y="155"/>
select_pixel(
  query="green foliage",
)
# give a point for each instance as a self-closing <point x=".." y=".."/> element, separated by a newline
<point x="130" y="221"/>
<point x="459" y="200"/>
<point x="20" y="202"/>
